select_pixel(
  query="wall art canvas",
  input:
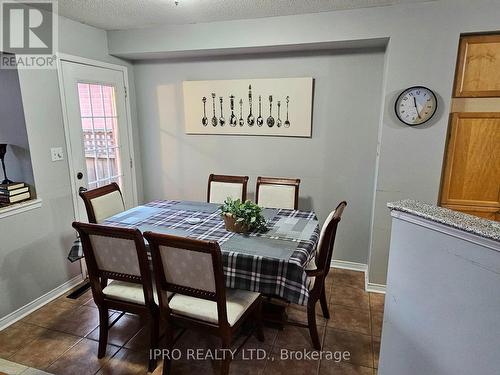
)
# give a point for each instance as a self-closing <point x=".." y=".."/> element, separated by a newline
<point x="272" y="107"/>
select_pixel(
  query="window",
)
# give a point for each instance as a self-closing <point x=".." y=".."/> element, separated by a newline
<point x="100" y="133"/>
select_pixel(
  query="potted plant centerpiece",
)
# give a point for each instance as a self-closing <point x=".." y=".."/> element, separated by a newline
<point x="242" y="217"/>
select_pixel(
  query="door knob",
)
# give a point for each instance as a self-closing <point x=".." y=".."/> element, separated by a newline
<point x="82" y="189"/>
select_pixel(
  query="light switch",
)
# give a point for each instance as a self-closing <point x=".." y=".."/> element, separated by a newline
<point x="57" y="153"/>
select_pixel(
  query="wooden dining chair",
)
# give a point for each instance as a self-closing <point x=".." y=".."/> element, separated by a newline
<point x="275" y="192"/>
<point x="119" y="254"/>
<point x="220" y="187"/>
<point x="193" y="270"/>
<point x="102" y="202"/>
<point x="317" y="271"/>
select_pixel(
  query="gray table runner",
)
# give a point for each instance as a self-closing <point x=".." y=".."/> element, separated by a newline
<point x="196" y="206"/>
<point x="291" y="228"/>
<point x="259" y="246"/>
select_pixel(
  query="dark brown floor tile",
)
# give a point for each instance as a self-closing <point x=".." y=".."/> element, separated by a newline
<point x="376" y="351"/>
<point x="122" y="331"/>
<point x="17" y="336"/>
<point x="141" y="341"/>
<point x="45" y="349"/>
<point x="248" y="340"/>
<point x="377" y="301"/>
<point x="91" y="303"/>
<point x="280" y="362"/>
<point x="46" y="315"/>
<point x="127" y="362"/>
<point x="359" y="346"/>
<point x="298" y="313"/>
<point x="193" y="339"/>
<point x="81" y="359"/>
<point x="297" y="338"/>
<point x="333" y="368"/>
<point x="79" y="321"/>
<point x="349" y="296"/>
<point x="350" y="319"/>
<point x="377" y="318"/>
<point x="355" y="279"/>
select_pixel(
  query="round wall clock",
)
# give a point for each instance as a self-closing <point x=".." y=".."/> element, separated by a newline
<point x="416" y="105"/>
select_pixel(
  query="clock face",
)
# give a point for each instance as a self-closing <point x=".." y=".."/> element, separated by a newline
<point x="416" y="105"/>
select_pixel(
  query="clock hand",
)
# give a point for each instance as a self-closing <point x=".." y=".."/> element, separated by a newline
<point x="416" y="108"/>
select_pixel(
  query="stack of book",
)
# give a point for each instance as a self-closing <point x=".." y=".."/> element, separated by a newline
<point x="14" y="193"/>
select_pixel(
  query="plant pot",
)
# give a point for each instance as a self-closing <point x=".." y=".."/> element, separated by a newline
<point x="233" y="226"/>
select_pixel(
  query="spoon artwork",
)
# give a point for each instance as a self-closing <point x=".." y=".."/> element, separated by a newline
<point x="214" y="117"/>
<point x="232" y="118"/>
<point x="260" y="120"/>
<point x="278" y="120"/>
<point x="270" y="119"/>
<point x="242" y="122"/>
<point x="250" y="118"/>
<point x="204" y="120"/>
<point x="222" y="121"/>
<point x="287" y="123"/>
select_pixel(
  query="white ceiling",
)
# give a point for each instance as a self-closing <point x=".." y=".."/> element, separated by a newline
<point x="130" y="14"/>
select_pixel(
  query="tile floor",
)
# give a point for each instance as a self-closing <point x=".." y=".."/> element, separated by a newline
<point x="61" y="338"/>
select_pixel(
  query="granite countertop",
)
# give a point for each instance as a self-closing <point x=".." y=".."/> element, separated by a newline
<point x="468" y="223"/>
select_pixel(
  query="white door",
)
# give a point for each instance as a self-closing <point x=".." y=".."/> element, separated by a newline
<point x="97" y="130"/>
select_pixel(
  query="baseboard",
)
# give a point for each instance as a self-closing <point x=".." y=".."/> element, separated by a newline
<point x="39" y="302"/>
<point x="369" y="287"/>
<point x="375" y="288"/>
<point x="349" y="265"/>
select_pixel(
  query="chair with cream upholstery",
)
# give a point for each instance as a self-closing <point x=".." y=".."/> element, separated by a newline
<point x="317" y="271"/>
<point x="192" y="269"/>
<point x="272" y="192"/>
<point x="119" y="254"/>
<point x="221" y="187"/>
<point x="103" y="202"/>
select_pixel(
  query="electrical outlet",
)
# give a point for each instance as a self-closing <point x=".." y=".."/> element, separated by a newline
<point x="57" y="153"/>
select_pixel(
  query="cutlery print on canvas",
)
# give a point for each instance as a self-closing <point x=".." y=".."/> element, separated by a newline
<point x="279" y="107"/>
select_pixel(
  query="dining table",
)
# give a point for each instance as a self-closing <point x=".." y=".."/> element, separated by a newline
<point x="271" y="262"/>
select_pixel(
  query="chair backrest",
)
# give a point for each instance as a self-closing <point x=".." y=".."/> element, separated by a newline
<point x="220" y="187"/>
<point x="327" y="241"/>
<point x="275" y="192"/>
<point x="103" y="202"/>
<point x="115" y="253"/>
<point x="189" y="267"/>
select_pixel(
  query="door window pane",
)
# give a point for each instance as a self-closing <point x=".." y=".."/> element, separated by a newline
<point x="100" y="133"/>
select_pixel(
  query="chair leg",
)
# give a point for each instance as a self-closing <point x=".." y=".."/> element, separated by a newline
<point x="154" y="339"/>
<point x="258" y="323"/>
<point x="226" y="344"/>
<point x="324" y="303"/>
<point x="169" y="339"/>
<point x="103" y="331"/>
<point x="313" y="330"/>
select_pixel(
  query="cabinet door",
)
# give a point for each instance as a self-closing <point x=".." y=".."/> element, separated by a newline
<point x="472" y="170"/>
<point x="478" y="67"/>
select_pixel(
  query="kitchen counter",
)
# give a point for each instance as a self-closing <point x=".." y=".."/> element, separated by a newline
<point x="468" y="223"/>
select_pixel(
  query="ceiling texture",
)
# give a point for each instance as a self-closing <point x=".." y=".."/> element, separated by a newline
<point x="132" y="14"/>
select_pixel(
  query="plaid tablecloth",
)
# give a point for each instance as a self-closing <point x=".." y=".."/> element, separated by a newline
<point x="282" y="275"/>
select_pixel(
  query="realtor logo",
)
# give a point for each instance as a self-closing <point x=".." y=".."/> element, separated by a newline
<point x="29" y="31"/>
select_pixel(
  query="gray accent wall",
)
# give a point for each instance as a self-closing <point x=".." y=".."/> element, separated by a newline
<point x="422" y="50"/>
<point x="337" y="163"/>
